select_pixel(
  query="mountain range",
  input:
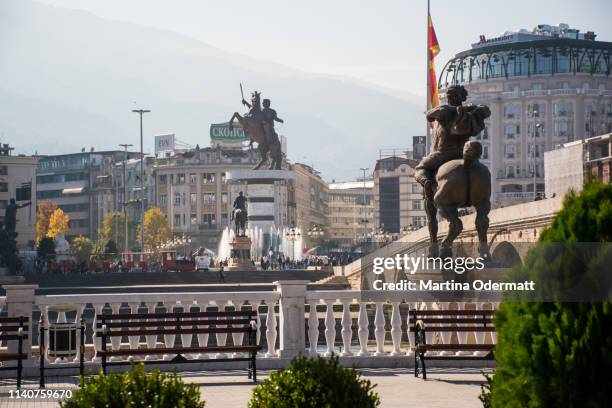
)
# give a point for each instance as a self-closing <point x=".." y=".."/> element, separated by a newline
<point x="69" y="79"/>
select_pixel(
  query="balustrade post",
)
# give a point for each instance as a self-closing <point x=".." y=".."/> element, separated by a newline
<point x="480" y="335"/>
<point x="313" y="328"/>
<point x="364" y="330"/>
<point x="396" y="329"/>
<point x="97" y="341"/>
<point x="151" y="339"/>
<point x="202" y="337"/>
<point x="291" y="316"/>
<point x="409" y="333"/>
<point x="133" y="340"/>
<point x="445" y="335"/>
<point x="271" y="329"/>
<point x="379" y="332"/>
<point x="330" y="327"/>
<point x="237" y="337"/>
<point x="77" y="322"/>
<point x="347" y="327"/>
<point x="462" y="336"/>
<point x="19" y="301"/>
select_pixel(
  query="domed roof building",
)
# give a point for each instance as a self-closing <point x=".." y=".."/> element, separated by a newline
<point x="545" y="87"/>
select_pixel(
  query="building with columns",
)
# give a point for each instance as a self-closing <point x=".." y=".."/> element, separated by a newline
<point x="545" y="87"/>
<point x="192" y="189"/>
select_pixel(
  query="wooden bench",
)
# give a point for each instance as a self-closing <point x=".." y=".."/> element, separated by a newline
<point x="11" y="329"/>
<point x="178" y="324"/>
<point x="448" y="321"/>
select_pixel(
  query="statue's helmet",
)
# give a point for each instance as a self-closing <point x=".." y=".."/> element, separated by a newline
<point x="457" y="92"/>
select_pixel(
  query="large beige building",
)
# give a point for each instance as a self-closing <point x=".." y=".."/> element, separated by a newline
<point x="545" y="87"/>
<point x="308" y="201"/>
<point x="19" y="172"/>
<point x="398" y="198"/>
<point x="351" y="212"/>
<point x="572" y="165"/>
<point x="191" y="188"/>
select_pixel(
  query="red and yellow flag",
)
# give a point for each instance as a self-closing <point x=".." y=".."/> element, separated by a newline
<point x="433" y="99"/>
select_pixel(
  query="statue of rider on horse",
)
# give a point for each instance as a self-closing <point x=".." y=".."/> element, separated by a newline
<point x="258" y="124"/>
<point x="240" y="215"/>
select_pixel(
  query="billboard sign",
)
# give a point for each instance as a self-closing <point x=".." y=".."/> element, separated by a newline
<point x="222" y="133"/>
<point x="164" y="143"/>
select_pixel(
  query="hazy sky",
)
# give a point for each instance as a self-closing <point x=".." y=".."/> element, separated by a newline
<point x="379" y="41"/>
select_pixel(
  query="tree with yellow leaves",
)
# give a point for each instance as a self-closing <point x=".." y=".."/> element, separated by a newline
<point x="156" y="228"/>
<point x="113" y="229"/>
<point x="44" y="210"/>
<point x="58" y="223"/>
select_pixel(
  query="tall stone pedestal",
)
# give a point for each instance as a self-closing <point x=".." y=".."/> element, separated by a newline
<point x="240" y="255"/>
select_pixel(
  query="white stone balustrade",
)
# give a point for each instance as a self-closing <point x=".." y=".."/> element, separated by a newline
<point x="372" y="325"/>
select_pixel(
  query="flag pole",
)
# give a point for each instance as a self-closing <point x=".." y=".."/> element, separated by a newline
<point x="427" y="92"/>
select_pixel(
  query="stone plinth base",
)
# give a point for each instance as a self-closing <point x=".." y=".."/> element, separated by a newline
<point x="240" y="255"/>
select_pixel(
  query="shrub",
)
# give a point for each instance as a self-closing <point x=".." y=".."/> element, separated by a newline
<point x="314" y="383"/>
<point x="135" y="389"/>
<point x="558" y="353"/>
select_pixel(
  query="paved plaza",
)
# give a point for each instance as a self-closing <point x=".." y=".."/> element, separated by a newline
<point x="445" y="387"/>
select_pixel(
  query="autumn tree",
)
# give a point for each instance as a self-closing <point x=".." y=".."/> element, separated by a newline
<point x="58" y="223"/>
<point x="82" y="248"/>
<point x="113" y="229"/>
<point x="156" y="228"/>
<point x="44" y="210"/>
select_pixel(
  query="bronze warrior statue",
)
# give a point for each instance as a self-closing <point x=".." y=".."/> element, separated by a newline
<point x="454" y="124"/>
<point x="258" y="124"/>
<point x="240" y="215"/>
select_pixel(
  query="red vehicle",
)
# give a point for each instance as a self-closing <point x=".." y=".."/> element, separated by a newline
<point x="135" y="261"/>
<point x="170" y="262"/>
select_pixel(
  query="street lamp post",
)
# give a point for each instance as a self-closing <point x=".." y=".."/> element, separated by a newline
<point x="142" y="205"/>
<point x="125" y="201"/>
<point x="364" y="219"/>
<point x="293" y="234"/>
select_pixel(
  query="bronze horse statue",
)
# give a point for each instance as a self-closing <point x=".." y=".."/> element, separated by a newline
<point x="239" y="217"/>
<point x="253" y="127"/>
<point x="463" y="183"/>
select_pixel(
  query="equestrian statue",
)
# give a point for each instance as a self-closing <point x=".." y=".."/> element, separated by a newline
<point x="240" y="215"/>
<point x="461" y="179"/>
<point x="258" y="124"/>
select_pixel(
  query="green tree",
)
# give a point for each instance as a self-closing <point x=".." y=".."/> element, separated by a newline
<point x="46" y="248"/>
<point x="82" y="248"/>
<point x="111" y="247"/>
<point x="559" y="354"/>
<point x="113" y="229"/>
